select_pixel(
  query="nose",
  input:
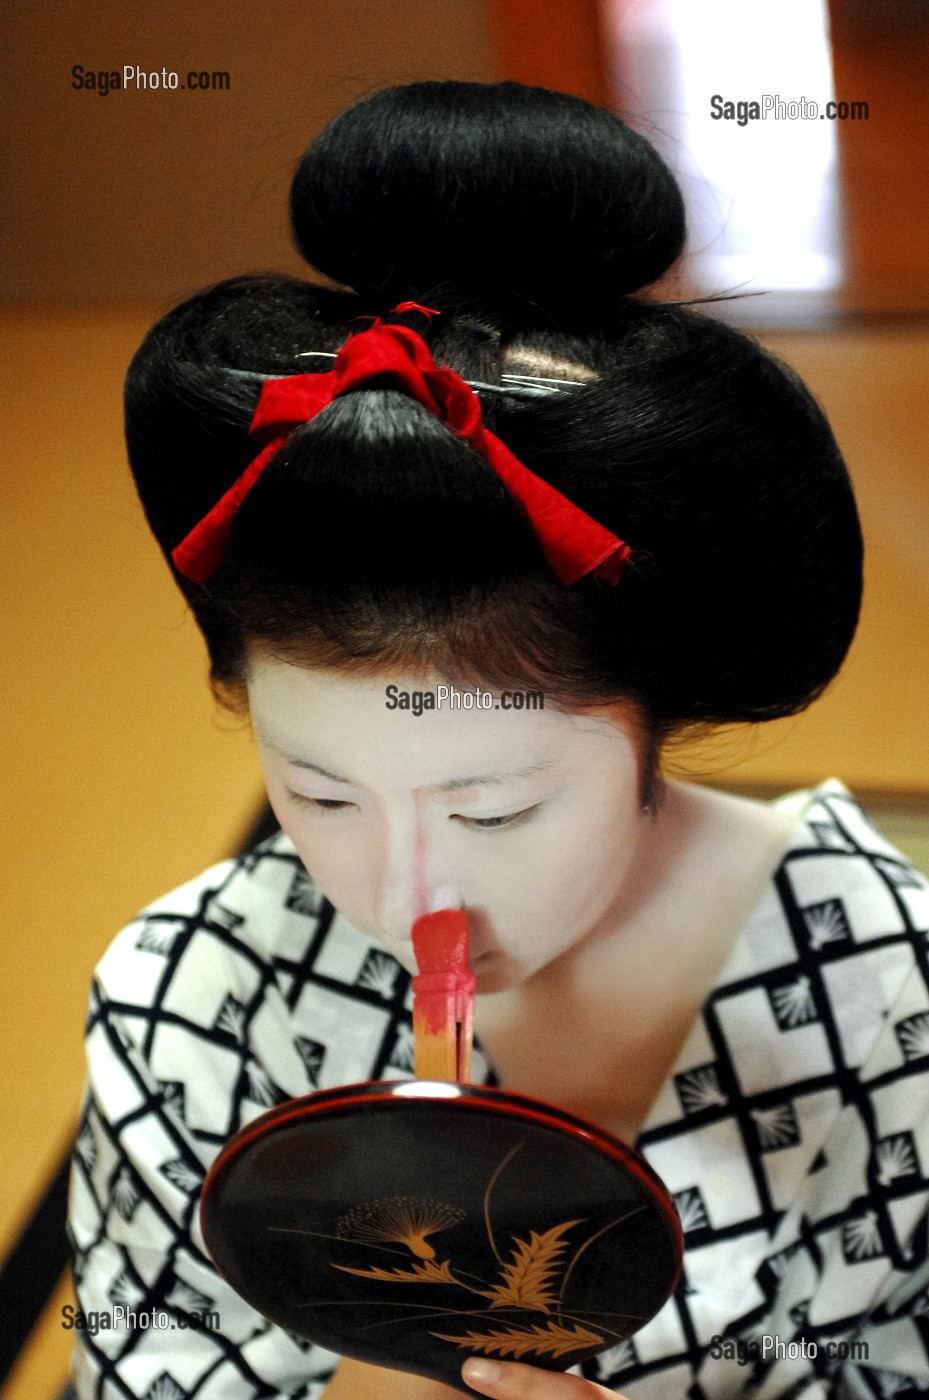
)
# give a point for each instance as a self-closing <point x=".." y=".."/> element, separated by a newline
<point x="405" y="872"/>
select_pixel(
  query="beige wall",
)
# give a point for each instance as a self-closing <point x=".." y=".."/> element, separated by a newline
<point x="147" y="195"/>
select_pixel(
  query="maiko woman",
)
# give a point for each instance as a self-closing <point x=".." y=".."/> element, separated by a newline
<point x="483" y="457"/>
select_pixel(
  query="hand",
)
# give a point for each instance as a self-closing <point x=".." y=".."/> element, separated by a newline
<point x="512" y="1380"/>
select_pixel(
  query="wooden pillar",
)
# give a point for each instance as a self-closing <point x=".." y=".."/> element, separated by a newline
<point x="550" y="43"/>
<point x="881" y="56"/>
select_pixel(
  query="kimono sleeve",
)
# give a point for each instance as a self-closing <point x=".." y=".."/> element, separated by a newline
<point x="154" y="1320"/>
<point x="864" y="1230"/>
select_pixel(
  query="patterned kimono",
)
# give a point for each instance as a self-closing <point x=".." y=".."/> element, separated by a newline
<point x="792" y="1132"/>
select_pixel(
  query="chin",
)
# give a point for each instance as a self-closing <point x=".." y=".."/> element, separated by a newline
<point x="495" y="972"/>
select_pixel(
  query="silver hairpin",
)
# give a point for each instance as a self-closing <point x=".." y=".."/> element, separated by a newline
<point x="513" y="385"/>
<point x="540" y="379"/>
<point x="521" y="389"/>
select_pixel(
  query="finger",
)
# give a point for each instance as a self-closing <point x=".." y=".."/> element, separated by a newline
<point x="510" y="1380"/>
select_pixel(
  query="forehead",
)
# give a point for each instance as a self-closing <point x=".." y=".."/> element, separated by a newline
<point x="345" y="724"/>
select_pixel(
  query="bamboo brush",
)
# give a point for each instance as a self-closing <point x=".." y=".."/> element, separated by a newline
<point x="443" y="997"/>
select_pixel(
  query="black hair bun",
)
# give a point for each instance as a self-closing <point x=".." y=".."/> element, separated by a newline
<point x="497" y="194"/>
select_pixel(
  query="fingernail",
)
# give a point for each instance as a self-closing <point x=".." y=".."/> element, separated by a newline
<point x="481" y="1371"/>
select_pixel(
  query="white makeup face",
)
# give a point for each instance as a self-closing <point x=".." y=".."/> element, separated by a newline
<point x="534" y="816"/>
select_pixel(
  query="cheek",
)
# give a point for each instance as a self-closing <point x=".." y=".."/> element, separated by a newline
<point x="581" y="844"/>
<point x="548" y="892"/>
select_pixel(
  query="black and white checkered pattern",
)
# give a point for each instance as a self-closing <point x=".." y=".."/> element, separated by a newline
<point x="793" y="1131"/>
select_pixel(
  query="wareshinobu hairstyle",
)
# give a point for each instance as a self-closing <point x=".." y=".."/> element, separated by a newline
<point x="376" y="541"/>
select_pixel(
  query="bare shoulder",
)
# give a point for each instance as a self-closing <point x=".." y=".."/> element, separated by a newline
<point x="704" y="862"/>
<point x="739" y="833"/>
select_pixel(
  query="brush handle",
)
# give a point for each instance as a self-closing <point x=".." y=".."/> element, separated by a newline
<point x="465" y="1026"/>
<point x="435" y="1016"/>
<point x="443" y="1025"/>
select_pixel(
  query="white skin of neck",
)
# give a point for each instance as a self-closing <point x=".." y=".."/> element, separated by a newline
<point x="535" y="817"/>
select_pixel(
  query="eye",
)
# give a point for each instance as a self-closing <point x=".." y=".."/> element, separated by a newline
<point x="318" y="804"/>
<point x="496" y="823"/>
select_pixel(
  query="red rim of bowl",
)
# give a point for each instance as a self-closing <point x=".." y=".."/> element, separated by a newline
<point x="469" y="1096"/>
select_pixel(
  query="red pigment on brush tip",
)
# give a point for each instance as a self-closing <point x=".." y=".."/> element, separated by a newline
<point x="440" y="942"/>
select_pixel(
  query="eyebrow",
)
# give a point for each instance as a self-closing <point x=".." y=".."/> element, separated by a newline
<point x="452" y="785"/>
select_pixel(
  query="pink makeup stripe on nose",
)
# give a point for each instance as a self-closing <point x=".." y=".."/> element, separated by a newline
<point x="419" y="874"/>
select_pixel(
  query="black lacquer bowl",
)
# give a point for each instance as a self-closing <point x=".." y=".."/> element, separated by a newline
<point x="413" y="1224"/>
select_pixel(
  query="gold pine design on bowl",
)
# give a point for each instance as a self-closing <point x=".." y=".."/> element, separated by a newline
<point x="400" y="1220"/>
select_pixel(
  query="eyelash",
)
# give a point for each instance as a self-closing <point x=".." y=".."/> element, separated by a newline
<point x="331" y="804"/>
<point x="318" y="804"/>
<point x="496" y="823"/>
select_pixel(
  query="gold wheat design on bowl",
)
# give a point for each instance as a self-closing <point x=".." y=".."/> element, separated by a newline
<point x="528" y="1281"/>
<point x="550" y="1340"/>
<point x="533" y="1278"/>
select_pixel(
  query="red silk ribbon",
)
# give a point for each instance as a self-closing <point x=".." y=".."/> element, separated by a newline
<point x="573" y="543"/>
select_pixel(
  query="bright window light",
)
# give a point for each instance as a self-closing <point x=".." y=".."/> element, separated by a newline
<point x="761" y="193"/>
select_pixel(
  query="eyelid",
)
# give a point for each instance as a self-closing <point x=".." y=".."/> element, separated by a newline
<point x="500" y="823"/>
<point x="321" y="804"/>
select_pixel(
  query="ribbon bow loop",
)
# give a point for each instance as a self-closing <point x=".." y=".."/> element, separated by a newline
<point x="573" y="543"/>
